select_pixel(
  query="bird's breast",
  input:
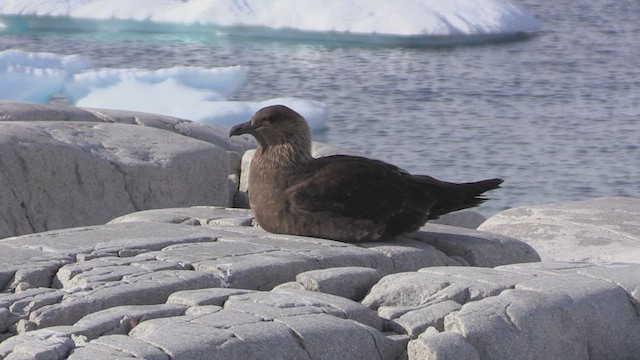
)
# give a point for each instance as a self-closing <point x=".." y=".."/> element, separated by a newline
<point x="268" y="199"/>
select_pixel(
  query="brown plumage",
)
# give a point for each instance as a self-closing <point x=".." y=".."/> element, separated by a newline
<point x="340" y="197"/>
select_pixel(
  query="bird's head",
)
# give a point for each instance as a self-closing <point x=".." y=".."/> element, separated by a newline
<point x="277" y="126"/>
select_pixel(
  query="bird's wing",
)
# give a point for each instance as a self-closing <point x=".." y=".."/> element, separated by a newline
<point x="353" y="187"/>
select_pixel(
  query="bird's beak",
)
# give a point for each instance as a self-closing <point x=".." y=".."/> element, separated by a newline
<point x="244" y="128"/>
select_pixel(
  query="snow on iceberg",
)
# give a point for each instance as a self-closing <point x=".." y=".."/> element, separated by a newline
<point x="165" y="91"/>
<point x="409" y="18"/>
<point x="174" y="91"/>
<point x="188" y="92"/>
<point x="35" y="77"/>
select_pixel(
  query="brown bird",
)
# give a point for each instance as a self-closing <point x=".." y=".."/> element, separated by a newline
<point x="340" y="197"/>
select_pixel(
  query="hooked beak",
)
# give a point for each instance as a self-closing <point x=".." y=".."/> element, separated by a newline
<point x="244" y="128"/>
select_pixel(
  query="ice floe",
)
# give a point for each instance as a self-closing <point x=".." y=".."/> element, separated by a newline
<point x="190" y="92"/>
<point x="281" y="18"/>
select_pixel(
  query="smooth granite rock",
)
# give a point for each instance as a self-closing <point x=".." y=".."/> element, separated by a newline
<point x="204" y="297"/>
<point x="476" y="248"/>
<point x="441" y="346"/>
<point x="217" y="135"/>
<point x="465" y="218"/>
<point x="121" y="319"/>
<point x="116" y="347"/>
<point x="347" y="282"/>
<point x="54" y="173"/>
<point x="598" y="230"/>
<point x="57" y="162"/>
<point x="416" y="322"/>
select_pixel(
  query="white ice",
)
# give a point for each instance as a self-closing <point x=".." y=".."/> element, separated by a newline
<point x="379" y="17"/>
<point x="188" y="92"/>
<point x="34" y="77"/>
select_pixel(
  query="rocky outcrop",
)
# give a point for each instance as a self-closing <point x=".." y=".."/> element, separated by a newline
<point x="601" y="230"/>
<point x="525" y="311"/>
<point x="187" y="283"/>
<point x="63" y="166"/>
<point x="146" y="280"/>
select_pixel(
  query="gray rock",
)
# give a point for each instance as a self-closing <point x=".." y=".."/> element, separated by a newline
<point x="443" y="346"/>
<point x="258" y="271"/>
<point x="33" y="266"/>
<point x="154" y="254"/>
<point x="293" y="285"/>
<point x="19" y="111"/>
<point x="269" y="340"/>
<point x="116" y="347"/>
<point x="204" y="262"/>
<point x="198" y="215"/>
<point x="16" y="307"/>
<point x="121" y="319"/>
<point x="217" y="135"/>
<point x="55" y="172"/>
<point x="348" y="339"/>
<point x="411" y="255"/>
<point x="244" y="174"/>
<point x="476" y="247"/>
<point x="347" y="282"/>
<point x="289" y="302"/>
<point x="466" y="218"/>
<point x="604" y="229"/>
<point x="437" y="284"/>
<point x="124" y="160"/>
<point x="336" y="305"/>
<point x="143" y="289"/>
<point x="52" y="343"/>
<point x="416" y="322"/>
<point x="111" y="240"/>
<point x="202" y="310"/>
<point x="279" y="325"/>
<point x="183" y="339"/>
<point x="519" y="311"/>
<point x="200" y="297"/>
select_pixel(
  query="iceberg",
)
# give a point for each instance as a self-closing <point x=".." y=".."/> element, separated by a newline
<point x="35" y="77"/>
<point x="189" y="92"/>
<point x="372" y="20"/>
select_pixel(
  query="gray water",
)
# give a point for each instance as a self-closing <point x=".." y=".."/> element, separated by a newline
<point x="557" y="115"/>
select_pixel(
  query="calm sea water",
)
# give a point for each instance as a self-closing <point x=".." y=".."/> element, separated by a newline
<point x="556" y="115"/>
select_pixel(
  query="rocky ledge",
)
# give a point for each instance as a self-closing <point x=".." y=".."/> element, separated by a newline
<point x="57" y="162"/>
<point x="202" y="282"/>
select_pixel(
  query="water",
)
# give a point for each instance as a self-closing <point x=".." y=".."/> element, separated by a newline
<point x="556" y="115"/>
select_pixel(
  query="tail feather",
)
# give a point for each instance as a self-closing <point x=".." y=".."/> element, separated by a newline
<point x="477" y="188"/>
<point x="462" y="196"/>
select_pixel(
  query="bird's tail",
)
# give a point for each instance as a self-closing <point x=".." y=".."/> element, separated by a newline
<point x="473" y="191"/>
<point x="456" y="196"/>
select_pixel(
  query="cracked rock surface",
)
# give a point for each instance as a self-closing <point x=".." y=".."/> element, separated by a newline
<point x="202" y="282"/>
<point x="548" y="310"/>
